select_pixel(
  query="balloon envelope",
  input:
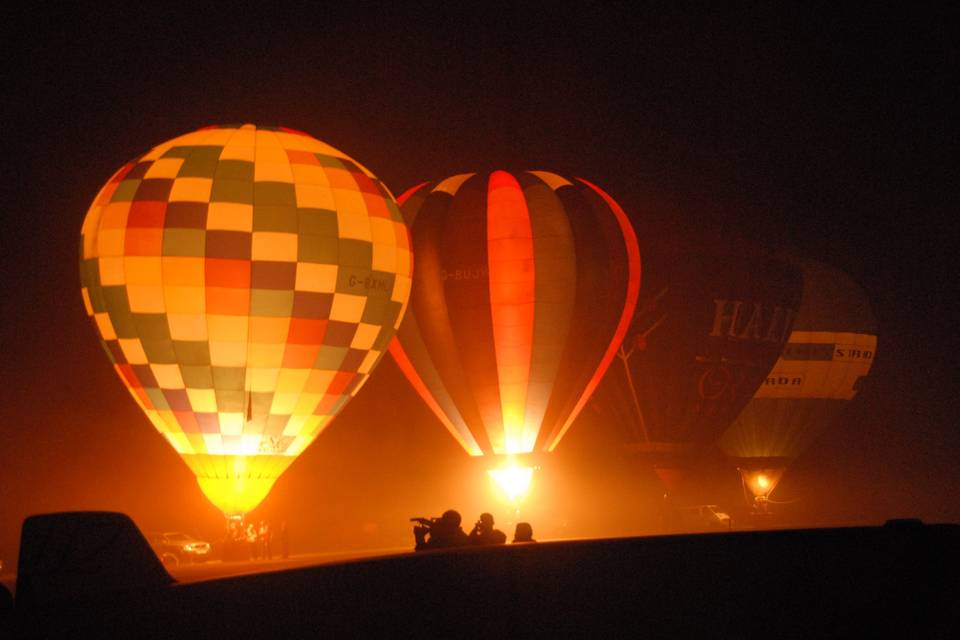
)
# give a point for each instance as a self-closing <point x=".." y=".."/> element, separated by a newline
<point x="244" y="282"/>
<point x="831" y="349"/>
<point x="710" y="322"/>
<point x="524" y="285"/>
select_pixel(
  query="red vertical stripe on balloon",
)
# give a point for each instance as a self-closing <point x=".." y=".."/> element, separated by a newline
<point x="512" y="293"/>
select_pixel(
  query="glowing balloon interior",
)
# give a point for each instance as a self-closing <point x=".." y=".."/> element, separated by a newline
<point x="524" y="286"/>
<point x="244" y="282"/>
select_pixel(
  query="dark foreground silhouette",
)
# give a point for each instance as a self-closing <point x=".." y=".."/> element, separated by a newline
<point x="523" y="532"/>
<point x="439" y="533"/>
<point x="484" y="532"/>
<point x="93" y="575"/>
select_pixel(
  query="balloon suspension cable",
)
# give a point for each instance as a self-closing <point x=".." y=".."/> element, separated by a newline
<point x="653" y="326"/>
<point x="648" y="308"/>
<point x="624" y="356"/>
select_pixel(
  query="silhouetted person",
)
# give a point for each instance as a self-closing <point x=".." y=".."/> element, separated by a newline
<point x="263" y="540"/>
<point x="669" y="517"/>
<point x="235" y="545"/>
<point x="523" y="532"/>
<point x="251" y="542"/>
<point x="439" y="533"/>
<point x="484" y="533"/>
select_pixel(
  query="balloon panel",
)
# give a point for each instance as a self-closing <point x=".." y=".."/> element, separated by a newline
<point x="833" y="301"/>
<point x="820" y="364"/>
<point x="244" y="282"/>
<point x="709" y="324"/>
<point x="521" y="283"/>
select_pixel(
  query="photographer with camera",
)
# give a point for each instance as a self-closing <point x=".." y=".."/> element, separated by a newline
<point x="439" y="533"/>
<point x="484" y="533"/>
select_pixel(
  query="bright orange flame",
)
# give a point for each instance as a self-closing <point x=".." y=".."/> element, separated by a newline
<point x="513" y="481"/>
<point x="761" y="482"/>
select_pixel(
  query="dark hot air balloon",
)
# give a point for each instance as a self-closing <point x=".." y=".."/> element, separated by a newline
<point x="829" y="353"/>
<point x="710" y="322"/>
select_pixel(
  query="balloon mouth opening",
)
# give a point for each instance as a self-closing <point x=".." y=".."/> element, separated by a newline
<point x="236" y="484"/>
<point x="236" y="496"/>
<point x="672" y="478"/>
<point x="761" y="482"/>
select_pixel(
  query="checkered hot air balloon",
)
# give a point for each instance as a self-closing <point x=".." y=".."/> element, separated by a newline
<point x="244" y="282"/>
<point x="524" y="287"/>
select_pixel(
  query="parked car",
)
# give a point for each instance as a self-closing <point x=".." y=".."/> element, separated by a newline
<point x="175" y="548"/>
<point x="706" y="516"/>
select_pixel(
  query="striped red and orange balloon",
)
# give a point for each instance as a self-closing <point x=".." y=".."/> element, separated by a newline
<point x="523" y="289"/>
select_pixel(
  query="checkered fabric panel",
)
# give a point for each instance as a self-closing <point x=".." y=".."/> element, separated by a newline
<point x="244" y="281"/>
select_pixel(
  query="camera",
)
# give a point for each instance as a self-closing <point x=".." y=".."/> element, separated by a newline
<point x="425" y="522"/>
<point x="422" y="528"/>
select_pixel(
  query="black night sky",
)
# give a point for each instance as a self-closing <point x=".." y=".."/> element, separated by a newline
<point x="832" y="133"/>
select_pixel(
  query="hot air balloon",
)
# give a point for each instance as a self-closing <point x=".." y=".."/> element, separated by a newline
<point x="524" y="286"/>
<point x="830" y="351"/>
<point x="244" y="282"/>
<point x="710" y="322"/>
